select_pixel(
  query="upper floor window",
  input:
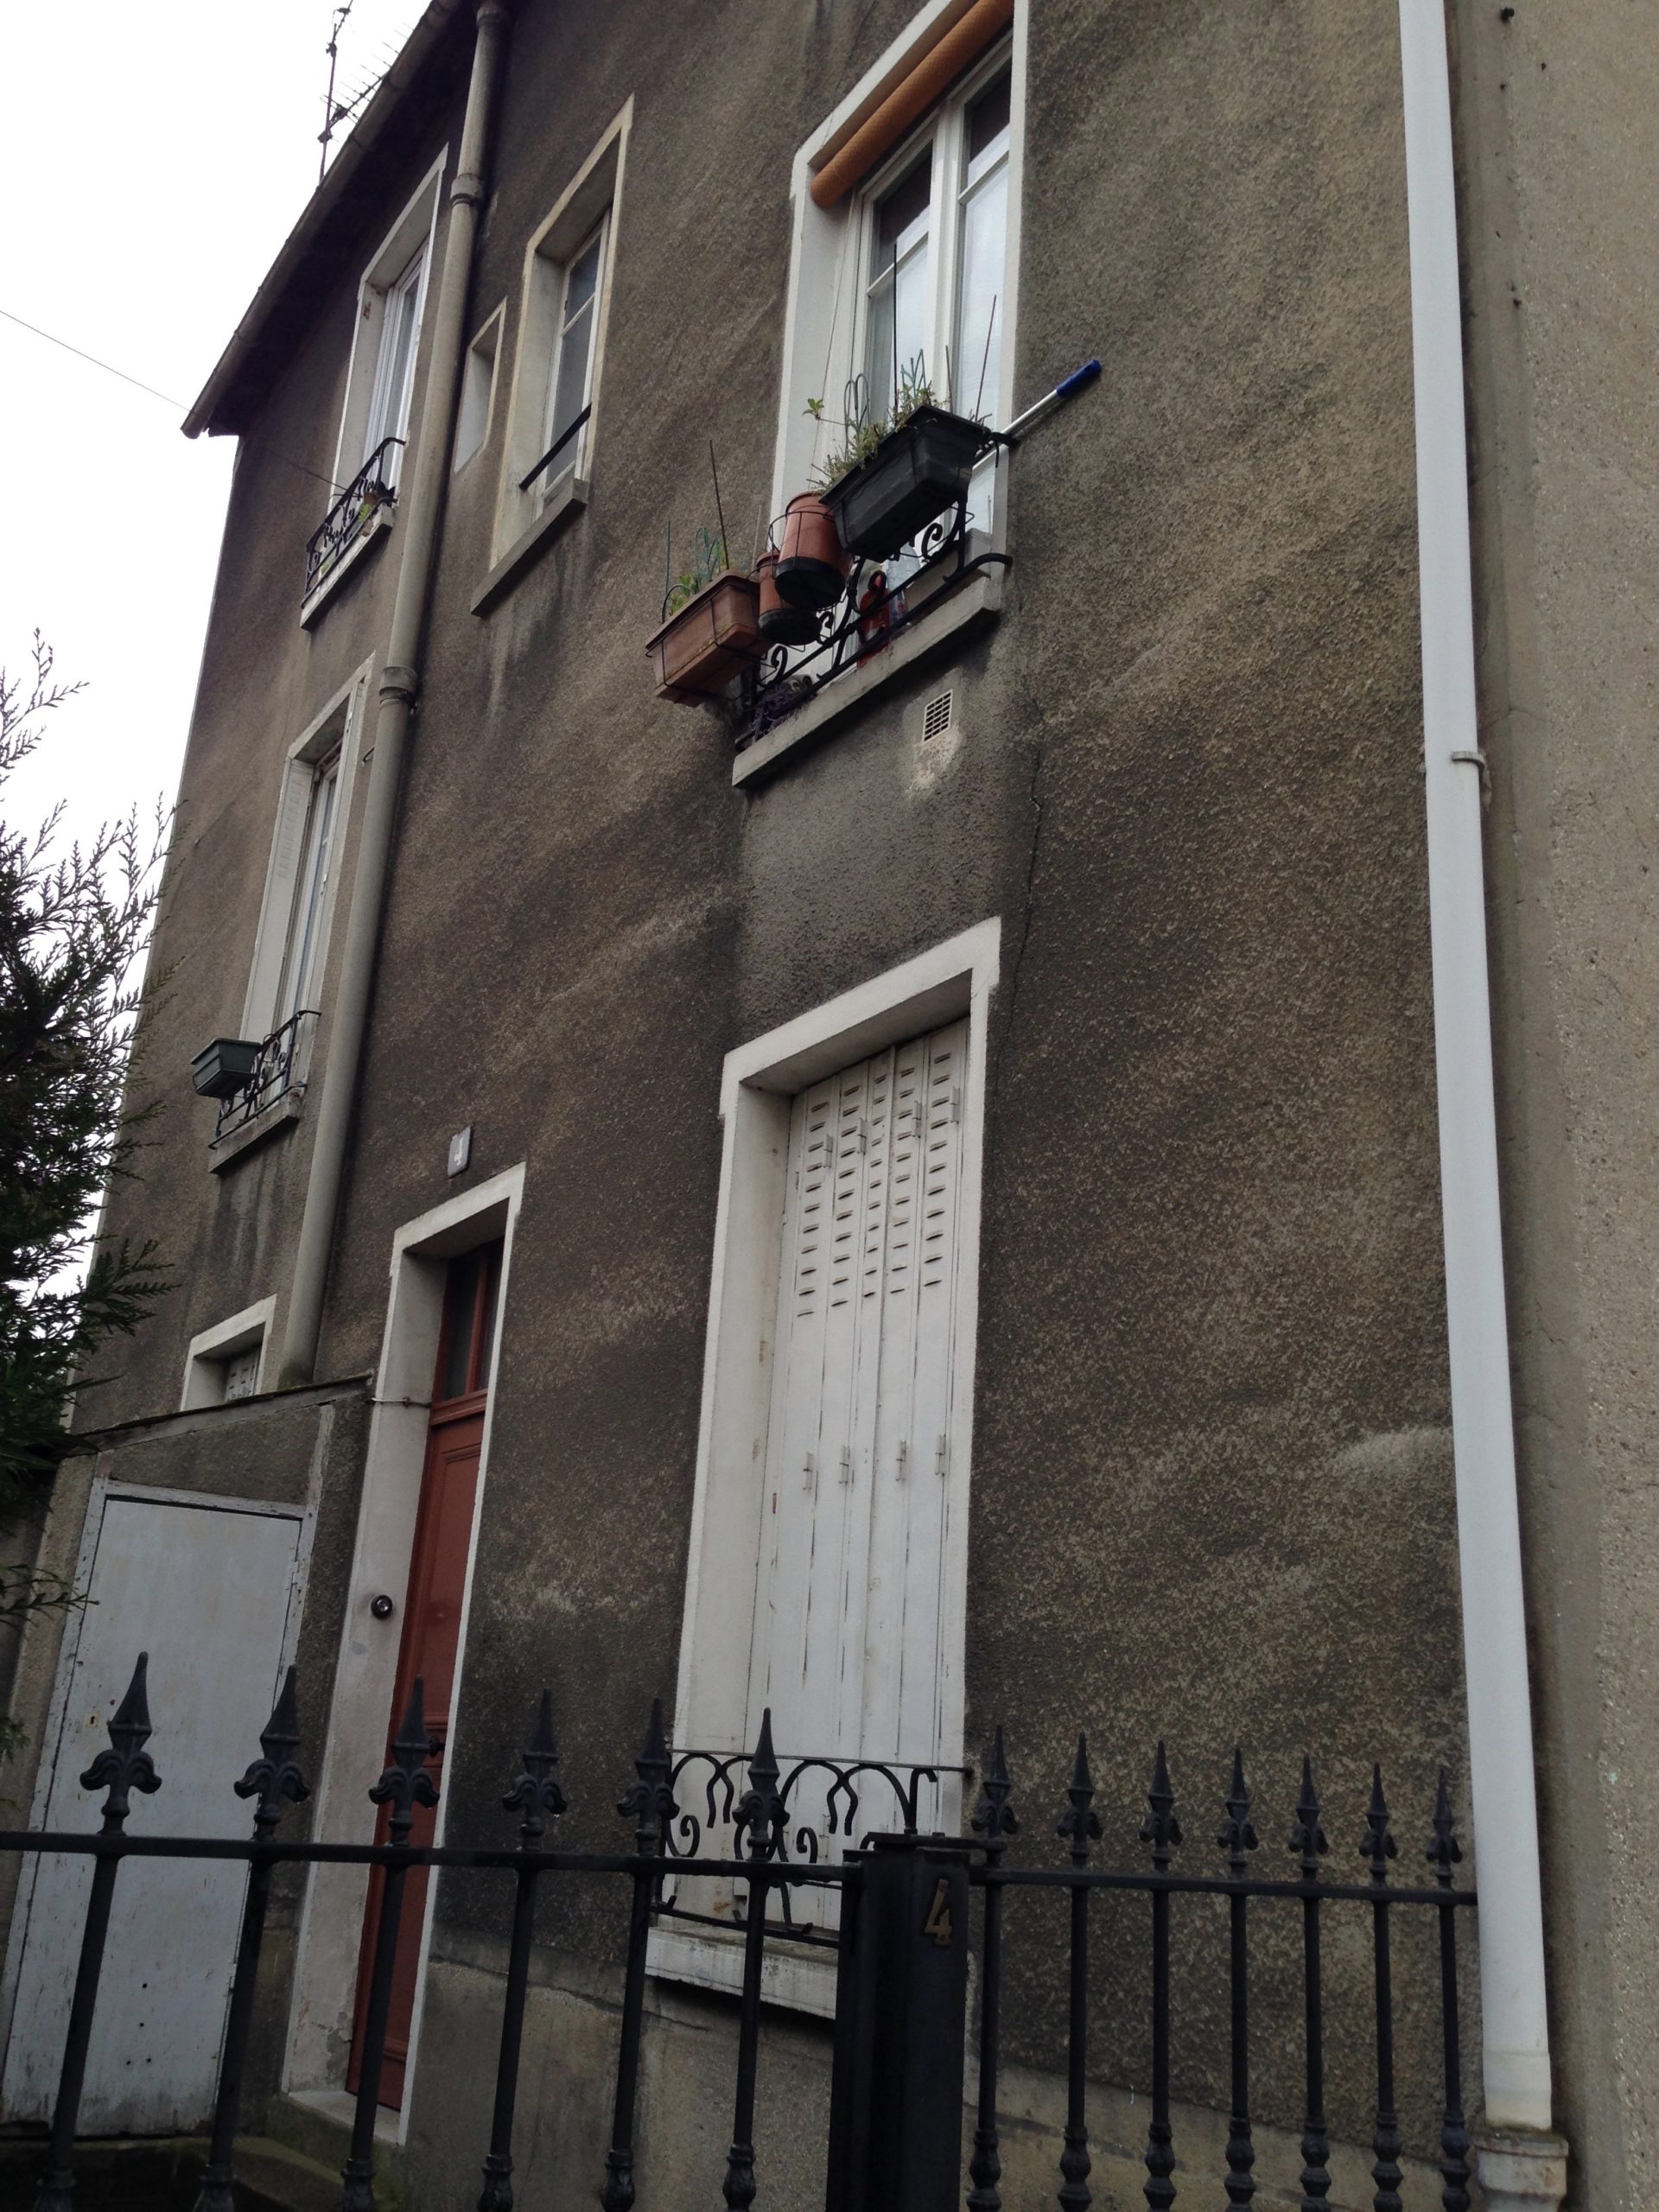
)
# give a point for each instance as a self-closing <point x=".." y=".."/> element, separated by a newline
<point x="559" y="360"/>
<point x="906" y="245"/>
<point x="570" y="389"/>
<point x="933" y="242"/>
<point x="375" y="421"/>
<point x="394" y="368"/>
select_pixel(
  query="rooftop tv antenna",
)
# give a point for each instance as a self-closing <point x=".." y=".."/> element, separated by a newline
<point x="334" y="113"/>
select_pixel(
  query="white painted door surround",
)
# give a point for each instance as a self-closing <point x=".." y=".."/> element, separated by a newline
<point x="912" y="1038"/>
<point x="324" y="1980"/>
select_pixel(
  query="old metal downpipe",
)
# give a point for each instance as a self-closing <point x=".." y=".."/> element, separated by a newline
<point x="399" y="684"/>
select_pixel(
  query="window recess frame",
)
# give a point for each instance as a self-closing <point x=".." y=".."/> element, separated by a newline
<point x="758" y="1085"/>
<point x="211" y="1351"/>
<point x="339" y="730"/>
<point x="415" y="231"/>
<point x="824" y="320"/>
<point x="590" y="203"/>
<point x="480" y="366"/>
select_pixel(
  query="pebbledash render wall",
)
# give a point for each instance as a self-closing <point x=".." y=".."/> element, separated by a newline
<point x="1558" y="161"/>
<point x="1211" y="1484"/>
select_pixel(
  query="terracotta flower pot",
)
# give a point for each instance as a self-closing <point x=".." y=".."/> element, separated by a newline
<point x="711" y="638"/>
<point x="780" y="623"/>
<point x="812" y="560"/>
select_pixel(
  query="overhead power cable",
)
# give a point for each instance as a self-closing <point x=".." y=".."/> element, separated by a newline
<point x="138" y="384"/>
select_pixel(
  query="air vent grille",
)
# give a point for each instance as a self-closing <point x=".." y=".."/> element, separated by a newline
<point x="936" y="720"/>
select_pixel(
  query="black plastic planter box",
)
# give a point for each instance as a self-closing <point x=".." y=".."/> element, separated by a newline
<point x="225" y="1066"/>
<point x="914" y="475"/>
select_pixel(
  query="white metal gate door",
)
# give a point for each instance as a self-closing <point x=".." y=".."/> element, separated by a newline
<point x="205" y="1588"/>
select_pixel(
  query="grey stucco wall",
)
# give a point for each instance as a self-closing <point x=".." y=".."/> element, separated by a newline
<point x="1561" y="161"/>
<point x="1211" y="1497"/>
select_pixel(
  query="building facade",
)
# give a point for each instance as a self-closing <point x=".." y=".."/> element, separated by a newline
<point x="972" y="1180"/>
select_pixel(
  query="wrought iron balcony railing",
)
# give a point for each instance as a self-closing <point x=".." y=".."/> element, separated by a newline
<point x="876" y="607"/>
<point x="374" y="487"/>
<point x="279" y="1069"/>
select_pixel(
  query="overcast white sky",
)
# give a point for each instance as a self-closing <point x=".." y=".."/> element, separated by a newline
<point x="153" y="158"/>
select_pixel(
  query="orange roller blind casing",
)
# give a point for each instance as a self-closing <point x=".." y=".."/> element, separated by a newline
<point x="880" y="132"/>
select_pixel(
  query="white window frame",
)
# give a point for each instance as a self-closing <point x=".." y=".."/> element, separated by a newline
<point x="758" y="1089"/>
<point x="592" y="201"/>
<point x="823" y="317"/>
<point x="414" y="232"/>
<point x="338" y="730"/>
<point x="475" y="414"/>
<point x="212" y="1350"/>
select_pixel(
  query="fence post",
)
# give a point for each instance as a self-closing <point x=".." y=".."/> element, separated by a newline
<point x="902" y="2015"/>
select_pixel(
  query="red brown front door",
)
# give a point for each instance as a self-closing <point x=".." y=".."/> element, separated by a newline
<point x="431" y="1639"/>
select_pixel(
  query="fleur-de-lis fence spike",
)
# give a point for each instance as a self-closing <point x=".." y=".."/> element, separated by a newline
<point x="1161" y="1828"/>
<point x="761" y="1812"/>
<point x="1307" y="1838"/>
<point x="126" y="1766"/>
<point x="994" y="1818"/>
<point x="1443" y="1851"/>
<point x="272" y="1781"/>
<point x="1377" y="1846"/>
<point x="649" y="1801"/>
<point x="994" y="1822"/>
<point x="1079" y="1824"/>
<point x="276" y="1778"/>
<point x="406" y="1783"/>
<point x="1237" y="1836"/>
<point x="536" y="1791"/>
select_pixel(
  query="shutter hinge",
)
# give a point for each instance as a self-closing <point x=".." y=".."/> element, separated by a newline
<point x="955" y="1102"/>
<point x="901" y="1468"/>
<point x="847" y="1463"/>
<point x="810" y="1472"/>
<point x="942" y="1457"/>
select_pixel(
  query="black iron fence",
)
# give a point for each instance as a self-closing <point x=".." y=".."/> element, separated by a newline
<point x="374" y="487"/>
<point x="902" y="1937"/>
<point x="880" y="601"/>
<point x="279" y="1069"/>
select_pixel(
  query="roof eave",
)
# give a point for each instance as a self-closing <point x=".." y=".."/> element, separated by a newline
<point x="207" y="412"/>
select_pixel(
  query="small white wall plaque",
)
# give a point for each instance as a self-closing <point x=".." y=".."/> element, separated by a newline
<point x="460" y="1150"/>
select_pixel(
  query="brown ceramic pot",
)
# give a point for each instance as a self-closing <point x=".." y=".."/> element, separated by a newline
<point x="780" y="623"/>
<point x="812" y="560"/>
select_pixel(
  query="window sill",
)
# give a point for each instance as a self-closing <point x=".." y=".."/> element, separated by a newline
<point x="371" y="534"/>
<point x="971" y="607"/>
<point x="527" y="548"/>
<point x="277" y="1116"/>
<point x="803" y="1980"/>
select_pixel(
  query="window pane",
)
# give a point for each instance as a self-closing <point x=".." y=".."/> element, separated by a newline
<point x="579" y="319"/>
<point x="460" y="1300"/>
<point x="896" y="321"/>
<point x="584" y="281"/>
<point x="305" y="929"/>
<point x="389" y="417"/>
<point x="976" y="350"/>
<point x="988" y="119"/>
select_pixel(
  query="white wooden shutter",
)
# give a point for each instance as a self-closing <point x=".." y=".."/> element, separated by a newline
<point x="846" y="1643"/>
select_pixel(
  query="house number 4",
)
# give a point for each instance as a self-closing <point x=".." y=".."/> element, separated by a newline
<point x="937" y="1925"/>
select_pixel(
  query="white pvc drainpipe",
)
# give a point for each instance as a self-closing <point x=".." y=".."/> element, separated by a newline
<point x="1514" y="2033"/>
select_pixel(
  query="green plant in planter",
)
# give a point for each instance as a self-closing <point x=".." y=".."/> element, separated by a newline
<point x="708" y="561"/>
<point x="862" y="431"/>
